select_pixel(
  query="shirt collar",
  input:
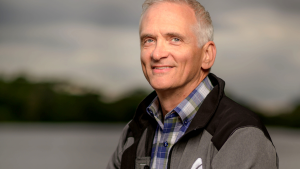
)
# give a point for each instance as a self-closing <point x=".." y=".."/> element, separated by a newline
<point x="188" y="107"/>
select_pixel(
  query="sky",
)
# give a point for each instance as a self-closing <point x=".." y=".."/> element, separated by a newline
<point x="95" y="43"/>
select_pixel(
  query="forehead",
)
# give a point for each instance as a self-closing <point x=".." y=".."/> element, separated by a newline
<point x="168" y="15"/>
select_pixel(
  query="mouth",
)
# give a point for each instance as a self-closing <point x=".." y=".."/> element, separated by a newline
<point x="162" y="67"/>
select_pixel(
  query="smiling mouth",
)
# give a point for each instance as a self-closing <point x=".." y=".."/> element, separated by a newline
<point x="165" y="67"/>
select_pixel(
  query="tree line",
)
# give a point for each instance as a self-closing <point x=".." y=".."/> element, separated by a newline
<point x="24" y="101"/>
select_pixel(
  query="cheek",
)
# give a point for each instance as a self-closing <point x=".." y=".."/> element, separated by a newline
<point x="145" y="58"/>
<point x="190" y="64"/>
<point x="144" y="62"/>
<point x="195" y="65"/>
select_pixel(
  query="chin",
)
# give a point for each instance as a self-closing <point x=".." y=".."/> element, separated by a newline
<point x="160" y="85"/>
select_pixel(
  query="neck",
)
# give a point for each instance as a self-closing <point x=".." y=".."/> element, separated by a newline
<point x="169" y="99"/>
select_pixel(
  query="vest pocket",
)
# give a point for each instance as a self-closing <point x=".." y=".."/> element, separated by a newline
<point x="142" y="163"/>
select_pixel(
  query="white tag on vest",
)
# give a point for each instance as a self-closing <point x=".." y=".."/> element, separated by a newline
<point x="142" y="162"/>
<point x="197" y="164"/>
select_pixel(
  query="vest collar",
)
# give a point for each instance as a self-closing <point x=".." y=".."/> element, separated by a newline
<point x="142" y="119"/>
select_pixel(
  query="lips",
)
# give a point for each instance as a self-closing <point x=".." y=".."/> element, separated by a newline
<point x="164" y="67"/>
<point x="161" y="69"/>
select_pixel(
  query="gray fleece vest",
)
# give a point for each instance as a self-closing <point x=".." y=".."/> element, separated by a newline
<point x="222" y="135"/>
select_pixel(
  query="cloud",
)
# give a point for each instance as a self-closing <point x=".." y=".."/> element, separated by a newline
<point x="44" y="11"/>
<point x="105" y="57"/>
<point x="95" y="44"/>
<point x="258" y="54"/>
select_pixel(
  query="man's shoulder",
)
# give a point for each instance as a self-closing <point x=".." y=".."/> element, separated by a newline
<point x="236" y="114"/>
<point x="230" y="117"/>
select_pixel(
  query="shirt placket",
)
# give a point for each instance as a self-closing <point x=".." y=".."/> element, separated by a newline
<point x="169" y="132"/>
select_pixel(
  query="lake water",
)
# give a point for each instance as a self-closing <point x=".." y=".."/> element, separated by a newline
<point x="78" y="146"/>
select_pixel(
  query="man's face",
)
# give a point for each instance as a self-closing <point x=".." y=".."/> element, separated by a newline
<point x="170" y="56"/>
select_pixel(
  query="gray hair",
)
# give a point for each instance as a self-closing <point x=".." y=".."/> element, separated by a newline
<point x="204" y="29"/>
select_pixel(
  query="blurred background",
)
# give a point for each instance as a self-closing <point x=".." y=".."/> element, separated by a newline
<point x="70" y="75"/>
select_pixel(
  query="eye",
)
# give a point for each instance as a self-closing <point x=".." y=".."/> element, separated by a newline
<point x="176" y="39"/>
<point x="148" y="41"/>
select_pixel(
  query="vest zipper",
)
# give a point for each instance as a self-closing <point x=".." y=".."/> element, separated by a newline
<point x="169" y="158"/>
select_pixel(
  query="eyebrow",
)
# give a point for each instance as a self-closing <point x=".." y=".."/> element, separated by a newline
<point x="144" y="36"/>
<point x="170" y="34"/>
<point x="174" y="34"/>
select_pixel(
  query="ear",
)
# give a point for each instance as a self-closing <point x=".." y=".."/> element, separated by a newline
<point x="209" y="55"/>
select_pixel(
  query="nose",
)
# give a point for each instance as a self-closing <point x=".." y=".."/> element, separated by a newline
<point x="160" y="51"/>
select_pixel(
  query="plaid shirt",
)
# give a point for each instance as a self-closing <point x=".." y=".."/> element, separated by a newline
<point x="175" y="123"/>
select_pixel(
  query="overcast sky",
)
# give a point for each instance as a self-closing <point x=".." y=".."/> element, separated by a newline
<point x="95" y="43"/>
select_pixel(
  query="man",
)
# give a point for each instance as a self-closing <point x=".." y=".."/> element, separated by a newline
<point x="187" y="122"/>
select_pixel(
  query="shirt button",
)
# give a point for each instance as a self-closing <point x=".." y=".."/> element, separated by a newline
<point x="185" y="122"/>
<point x="146" y="167"/>
<point x="166" y="144"/>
